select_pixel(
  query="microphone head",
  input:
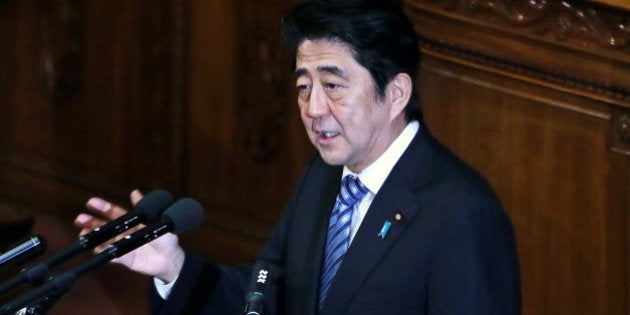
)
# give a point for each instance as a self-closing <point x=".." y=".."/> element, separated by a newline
<point x="186" y="215"/>
<point x="261" y="276"/>
<point x="40" y="243"/>
<point x="258" y="284"/>
<point x="26" y="249"/>
<point x="153" y="204"/>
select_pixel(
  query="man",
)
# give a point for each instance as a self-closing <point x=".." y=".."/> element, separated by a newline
<point x="385" y="220"/>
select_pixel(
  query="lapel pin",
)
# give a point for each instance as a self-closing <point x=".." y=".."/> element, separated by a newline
<point x="399" y="217"/>
<point x="384" y="229"/>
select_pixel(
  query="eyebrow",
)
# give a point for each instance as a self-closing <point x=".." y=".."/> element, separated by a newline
<point x="330" y="69"/>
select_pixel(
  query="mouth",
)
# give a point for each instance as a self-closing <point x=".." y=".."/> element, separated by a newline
<point x="325" y="135"/>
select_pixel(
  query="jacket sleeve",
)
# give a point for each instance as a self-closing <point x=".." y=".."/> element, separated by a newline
<point x="204" y="288"/>
<point x="475" y="270"/>
<point x="207" y="288"/>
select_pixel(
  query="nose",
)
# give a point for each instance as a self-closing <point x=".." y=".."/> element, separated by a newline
<point x="318" y="102"/>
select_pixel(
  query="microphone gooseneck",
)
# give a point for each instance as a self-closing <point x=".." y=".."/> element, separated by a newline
<point x="149" y="208"/>
<point x="182" y="216"/>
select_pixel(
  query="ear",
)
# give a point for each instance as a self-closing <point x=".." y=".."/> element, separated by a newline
<point x="399" y="91"/>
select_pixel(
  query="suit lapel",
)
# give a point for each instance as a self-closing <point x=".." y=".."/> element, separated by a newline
<point x="315" y="214"/>
<point x="397" y="196"/>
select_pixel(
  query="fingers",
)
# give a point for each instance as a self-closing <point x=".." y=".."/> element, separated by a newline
<point x="135" y="196"/>
<point x="87" y="223"/>
<point x="105" y="209"/>
<point x="111" y="211"/>
<point x="104" y="212"/>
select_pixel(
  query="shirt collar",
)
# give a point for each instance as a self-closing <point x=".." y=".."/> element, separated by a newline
<point x="375" y="174"/>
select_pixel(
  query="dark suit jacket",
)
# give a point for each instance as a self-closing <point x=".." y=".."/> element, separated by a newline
<point x="453" y="252"/>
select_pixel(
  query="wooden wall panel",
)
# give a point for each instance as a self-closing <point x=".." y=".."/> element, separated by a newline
<point x="99" y="97"/>
<point x="247" y="144"/>
<point x="93" y="101"/>
<point x="551" y="167"/>
<point x="536" y="96"/>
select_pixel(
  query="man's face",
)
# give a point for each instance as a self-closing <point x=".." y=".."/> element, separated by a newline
<point x="344" y="117"/>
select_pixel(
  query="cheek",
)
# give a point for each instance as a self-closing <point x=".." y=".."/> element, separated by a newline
<point x="351" y="115"/>
<point x="303" y="108"/>
<point x="307" y="121"/>
<point x="358" y="125"/>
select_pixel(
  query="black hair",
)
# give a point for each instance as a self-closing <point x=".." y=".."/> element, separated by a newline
<point x="380" y="36"/>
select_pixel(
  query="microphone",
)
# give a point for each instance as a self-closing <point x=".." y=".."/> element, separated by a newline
<point x="184" y="215"/>
<point x="149" y="208"/>
<point x="255" y="298"/>
<point x="28" y="248"/>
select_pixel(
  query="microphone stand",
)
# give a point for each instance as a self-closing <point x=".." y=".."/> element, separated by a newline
<point x="43" y="306"/>
<point x="181" y="216"/>
<point x="52" y="289"/>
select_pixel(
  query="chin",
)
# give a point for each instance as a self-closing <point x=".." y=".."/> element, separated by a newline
<point x="331" y="160"/>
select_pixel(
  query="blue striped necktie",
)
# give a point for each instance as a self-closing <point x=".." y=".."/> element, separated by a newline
<point x="338" y="240"/>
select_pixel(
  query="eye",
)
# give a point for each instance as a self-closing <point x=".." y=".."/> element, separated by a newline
<point x="303" y="91"/>
<point x="331" y="86"/>
<point x="302" y="87"/>
<point x="302" y="83"/>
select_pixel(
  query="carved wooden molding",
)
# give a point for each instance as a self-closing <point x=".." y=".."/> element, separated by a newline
<point x="480" y="58"/>
<point x="620" y="142"/>
<point x="563" y="20"/>
<point x="535" y="28"/>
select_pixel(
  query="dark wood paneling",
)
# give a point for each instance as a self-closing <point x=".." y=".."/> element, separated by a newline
<point x="94" y="100"/>
<point x="247" y="144"/>
<point x="99" y="97"/>
<point x="535" y="95"/>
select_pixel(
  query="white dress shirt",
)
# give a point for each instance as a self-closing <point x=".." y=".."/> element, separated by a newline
<point x="375" y="174"/>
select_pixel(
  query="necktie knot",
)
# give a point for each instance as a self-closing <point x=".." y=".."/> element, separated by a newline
<point x="352" y="190"/>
